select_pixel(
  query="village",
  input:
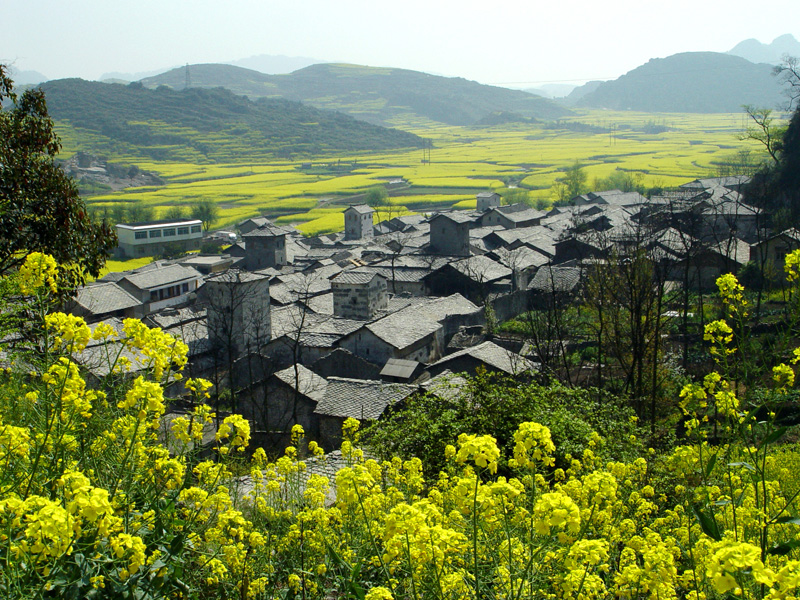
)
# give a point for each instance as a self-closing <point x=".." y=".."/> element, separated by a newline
<point x="311" y="331"/>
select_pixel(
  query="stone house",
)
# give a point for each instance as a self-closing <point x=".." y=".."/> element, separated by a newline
<point x="419" y="332"/>
<point x="265" y="247"/>
<point x="358" y="295"/>
<point x="475" y="278"/>
<point x="358" y="222"/>
<point x="772" y="252"/>
<point x="284" y="399"/>
<point x="360" y="399"/>
<point x="513" y="216"/>
<point x="238" y="311"/>
<point x="487" y="200"/>
<point x="449" y="234"/>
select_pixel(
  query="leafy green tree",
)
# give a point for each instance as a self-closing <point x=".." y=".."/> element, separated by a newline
<point x="138" y="212"/>
<point x="376" y="196"/>
<point x="40" y="207"/>
<point x="625" y="181"/>
<point x="571" y="184"/>
<point x="516" y="196"/>
<point x="174" y="212"/>
<point x="207" y="211"/>
<point x="428" y="422"/>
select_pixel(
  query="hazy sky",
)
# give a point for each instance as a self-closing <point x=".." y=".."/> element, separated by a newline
<point x="493" y="41"/>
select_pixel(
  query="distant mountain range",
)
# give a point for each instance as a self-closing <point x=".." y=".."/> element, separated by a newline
<point x="698" y="82"/>
<point x="376" y="95"/>
<point x="773" y="53"/>
<point x="207" y="124"/>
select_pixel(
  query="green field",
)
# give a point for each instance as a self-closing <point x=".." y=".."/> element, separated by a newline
<point x="464" y="161"/>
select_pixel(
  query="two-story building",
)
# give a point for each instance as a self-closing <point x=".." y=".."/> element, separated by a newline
<point x="152" y="238"/>
<point x="161" y="286"/>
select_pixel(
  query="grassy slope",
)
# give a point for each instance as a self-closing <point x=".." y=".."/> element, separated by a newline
<point x="207" y="125"/>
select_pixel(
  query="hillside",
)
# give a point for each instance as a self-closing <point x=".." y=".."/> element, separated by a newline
<point x="698" y="82"/>
<point x="207" y="124"/>
<point x="377" y="95"/>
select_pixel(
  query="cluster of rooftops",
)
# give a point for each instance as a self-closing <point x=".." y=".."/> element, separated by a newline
<point x="351" y="323"/>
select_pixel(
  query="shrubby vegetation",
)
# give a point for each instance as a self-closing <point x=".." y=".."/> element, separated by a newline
<point x="95" y="503"/>
<point x="490" y="404"/>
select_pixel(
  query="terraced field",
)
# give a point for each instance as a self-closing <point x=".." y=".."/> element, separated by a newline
<point x="667" y="149"/>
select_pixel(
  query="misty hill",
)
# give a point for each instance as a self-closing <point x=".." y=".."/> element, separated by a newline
<point x="207" y="124"/>
<point x="272" y="64"/>
<point x="552" y="90"/>
<point x="581" y="91"/>
<point x="373" y="94"/>
<point x="26" y="77"/>
<point x="756" y="52"/>
<point x="699" y="82"/>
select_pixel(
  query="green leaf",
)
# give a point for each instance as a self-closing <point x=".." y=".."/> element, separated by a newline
<point x="710" y="466"/>
<point x="747" y="466"/>
<point x="773" y="437"/>
<point x="707" y="522"/>
<point x="787" y="519"/>
<point x="784" y="548"/>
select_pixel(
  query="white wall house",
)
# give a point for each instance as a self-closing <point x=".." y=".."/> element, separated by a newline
<point x="152" y="238"/>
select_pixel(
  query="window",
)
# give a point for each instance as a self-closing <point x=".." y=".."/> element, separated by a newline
<point x="196" y="228"/>
<point x="140" y="235"/>
<point x="155" y="233"/>
<point x="184" y="288"/>
<point x="169" y="233"/>
<point x="183" y="231"/>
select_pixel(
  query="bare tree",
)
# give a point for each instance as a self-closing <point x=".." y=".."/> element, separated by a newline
<point x="789" y="73"/>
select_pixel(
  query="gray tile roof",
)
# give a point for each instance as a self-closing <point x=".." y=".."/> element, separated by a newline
<point x="360" y="208"/>
<point x="287" y="320"/>
<point x="238" y="276"/>
<point x="456" y="216"/>
<point x="360" y="399"/>
<point x="407" y="326"/>
<point x="104" y="297"/>
<point x="481" y="232"/>
<point x="398" y="367"/>
<point x="521" y="258"/>
<point x="268" y="230"/>
<point x="397" y="274"/>
<point x="161" y="276"/>
<point x="401" y="333"/>
<point x="173" y="317"/>
<point x="558" y="279"/>
<point x="310" y="384"/>
<point x="491" y="354"/>
<point x="481" y="268"/>
<point x="355" y="277"/>
<point x="528" y="214"/>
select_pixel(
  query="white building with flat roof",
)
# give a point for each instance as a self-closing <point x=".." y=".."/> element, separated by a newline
<point x="152" y="238"/>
